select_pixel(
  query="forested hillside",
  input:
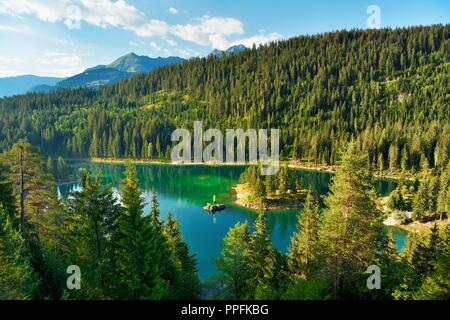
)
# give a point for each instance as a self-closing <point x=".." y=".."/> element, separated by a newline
<point x="121" y="253"/>
<point x="387" y="89"/>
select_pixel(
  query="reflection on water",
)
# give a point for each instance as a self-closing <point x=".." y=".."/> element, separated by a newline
<point x="186" y="189"/>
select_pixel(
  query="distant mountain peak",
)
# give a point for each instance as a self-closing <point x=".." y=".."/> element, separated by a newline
<point x="239" y="47"/>
<point x="123" y="67"/>
<point x="233" y="49"/>
<point x="134" y="63"/>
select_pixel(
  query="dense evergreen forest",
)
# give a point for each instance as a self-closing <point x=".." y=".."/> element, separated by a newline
<point x="331" y="251"/>
<point x="364" y="100"/>
<point x="121" y="253"/>
<point x="387" y="89"/>
<point x="124" y="253"/>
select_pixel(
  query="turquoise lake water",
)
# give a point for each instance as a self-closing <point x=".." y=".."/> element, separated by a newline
<point x="184" y="190"/>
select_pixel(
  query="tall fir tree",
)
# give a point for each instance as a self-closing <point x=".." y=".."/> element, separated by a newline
<point x="304" y="242"/>
<point x="93" y="212"/>
<point x="352" y="222"/>
<point x="136" y="247"/>
<point x="233" y="273"/>
<point x="17" y="278"/>
<point x="154" y="212"/>
<point x="7" y="198"/>
<point x="261" y="260"/>
<point x="188" y="283"/>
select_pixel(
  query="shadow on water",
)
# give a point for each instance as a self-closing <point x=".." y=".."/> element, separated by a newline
<point x="184" y="190"/>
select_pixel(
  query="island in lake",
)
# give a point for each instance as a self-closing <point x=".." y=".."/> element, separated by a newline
<point x="281" y="191"/>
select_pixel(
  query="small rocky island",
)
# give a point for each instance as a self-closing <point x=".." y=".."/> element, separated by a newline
<point x="214" y="207"/>
<point x="275" y="192"/>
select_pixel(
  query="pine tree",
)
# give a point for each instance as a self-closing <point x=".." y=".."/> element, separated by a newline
<point x="351" y="223"/>
<point x="380" y="163"/>
<point x="50" y="167"/>
<point x="34" y="187"/>
<point x="188" y="286"/>
<point x="436" y="284"/>
<point x="154" y="213"/>
<point x="17" y="279"/>
<point x="260" y="190"/>
<point x="7" y="198"/>
<point x="302" y="251"/>
<point x="232" y="264"/>
<point x="138" y="270"/>
<point x="393" y="156"/>
<point x="261" y="260"/>
<point x="404" y="161"/>
<point x="61" y="168"/>
<point x="396" y="201"/>
<point x="423" y="256"/>
<point x="268" y="183"/>
<point x="93" y="214"/>
<point x="433" y="194"/>
<point x="283" y="179"/>
<point x="390" y="248"/>
<point x="444" y="185"/>
<point x="421" y="201"/>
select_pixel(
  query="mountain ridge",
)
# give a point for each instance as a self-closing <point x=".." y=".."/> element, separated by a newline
<point x="123" y="67"/>
<point x="231" y="50"/>
<point x="10" y="86"/>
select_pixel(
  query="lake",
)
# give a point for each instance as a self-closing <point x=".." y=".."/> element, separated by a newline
<point x="184" y="190"/>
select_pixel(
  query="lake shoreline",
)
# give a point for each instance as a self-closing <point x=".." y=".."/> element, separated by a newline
<point x="293" y="164"/>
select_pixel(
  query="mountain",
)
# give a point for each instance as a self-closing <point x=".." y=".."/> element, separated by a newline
<point x="234" y="49"/>
<point x="122" y="68"/>
<point x="136" y="64"/>
<point x="22" y="84"/>
<point x="94" y="77"/>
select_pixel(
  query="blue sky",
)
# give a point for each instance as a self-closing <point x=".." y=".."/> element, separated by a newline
<point x="64" y="37"/>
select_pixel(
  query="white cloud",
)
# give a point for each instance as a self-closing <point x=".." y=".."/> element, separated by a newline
<point x="186" y="53"/>
<point x="62" y="72"/>
<point x="151" y="28"/>
<point x="183" y="53"/>
<point x="14" y="29"/>
<point x="170" y="42"/>
<point x="63" y="42"/>
<point x="45" y="10"/>
<point x="173" y="10"/>
<point x="9" y="60"/>
<point x="208" y="29"/>
<point x="257" y="40"/>
<point x="136" y="44"/>
<point x="6" y="72"/>
<point x="105" y="13"/>
<point x="168" y="52"/>
<point x="205" y="31"/>
<point x="61" y="64"/>
<point x="221" y="43"/>
<point x="155" y="46"/>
